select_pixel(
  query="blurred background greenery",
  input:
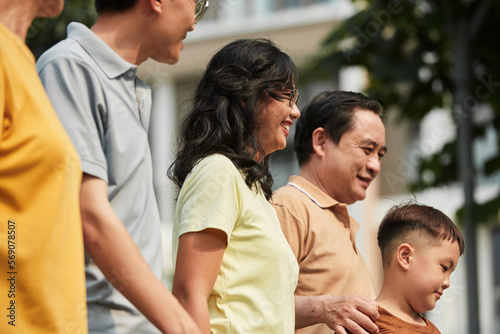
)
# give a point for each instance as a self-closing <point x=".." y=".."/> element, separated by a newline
<point x="433" y="49"/>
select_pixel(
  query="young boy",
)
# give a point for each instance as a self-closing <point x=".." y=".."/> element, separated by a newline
<point x="420" y="249"/>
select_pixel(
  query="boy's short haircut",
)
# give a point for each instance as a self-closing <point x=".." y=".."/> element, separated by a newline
<point x="411" y="222"/>
<point x="114" y="6"/>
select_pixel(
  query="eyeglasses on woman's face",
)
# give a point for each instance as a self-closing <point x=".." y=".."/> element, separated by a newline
<point x="200" y="9"/>
<point x="292" y="96"/>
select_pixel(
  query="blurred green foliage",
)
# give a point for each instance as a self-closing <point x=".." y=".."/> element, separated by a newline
<point x="407" y="48"/>
<point x="43" y="32"/>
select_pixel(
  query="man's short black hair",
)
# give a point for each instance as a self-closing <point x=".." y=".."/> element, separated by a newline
<point x="114" y="6"/>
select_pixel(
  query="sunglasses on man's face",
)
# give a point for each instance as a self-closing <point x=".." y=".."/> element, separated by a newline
<point x="200" y="9"/>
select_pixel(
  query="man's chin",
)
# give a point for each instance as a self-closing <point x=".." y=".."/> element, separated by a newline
<point x="360" y="196"/>
<point x="170" y="59"/>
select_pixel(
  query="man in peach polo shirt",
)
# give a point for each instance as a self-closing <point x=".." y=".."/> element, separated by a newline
<point x="339" y="141"/>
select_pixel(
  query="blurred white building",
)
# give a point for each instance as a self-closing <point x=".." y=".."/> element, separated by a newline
<point x="297" y="27"/>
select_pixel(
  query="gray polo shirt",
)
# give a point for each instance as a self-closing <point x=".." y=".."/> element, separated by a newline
<point x="106" y="109"/>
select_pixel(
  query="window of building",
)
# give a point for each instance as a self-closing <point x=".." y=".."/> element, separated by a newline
<point x="237" y="9"/>
<point x="279" y="5"/>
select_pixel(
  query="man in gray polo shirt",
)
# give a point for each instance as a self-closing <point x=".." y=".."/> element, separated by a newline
<point x="91" y="80"/>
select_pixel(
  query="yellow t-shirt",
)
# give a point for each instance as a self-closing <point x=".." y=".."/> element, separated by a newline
<point x="253" y="292"/>
<point x="42" y="280"/>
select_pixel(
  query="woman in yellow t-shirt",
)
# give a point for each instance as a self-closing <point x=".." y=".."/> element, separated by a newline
<point x="234" y="270"/>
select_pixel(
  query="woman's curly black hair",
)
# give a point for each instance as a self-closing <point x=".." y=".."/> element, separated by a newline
<point x="226" y="103"/>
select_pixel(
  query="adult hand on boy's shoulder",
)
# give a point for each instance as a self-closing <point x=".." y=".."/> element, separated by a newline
<point x="354" y="314"/>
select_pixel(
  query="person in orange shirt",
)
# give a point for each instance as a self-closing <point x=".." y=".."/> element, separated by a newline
<point x="42" y="279"/>
<point x="339" y="141"/>
<point x="420" y="249"/>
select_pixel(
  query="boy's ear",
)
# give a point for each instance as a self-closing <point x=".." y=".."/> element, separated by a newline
<point x="403" y="256"/>
<point x="319" y="140"/>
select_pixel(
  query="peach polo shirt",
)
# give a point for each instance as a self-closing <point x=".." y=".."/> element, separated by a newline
<point x="322" y="236"/>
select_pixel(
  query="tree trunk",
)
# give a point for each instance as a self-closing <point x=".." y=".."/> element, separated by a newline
<point x="463" y="114"/>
